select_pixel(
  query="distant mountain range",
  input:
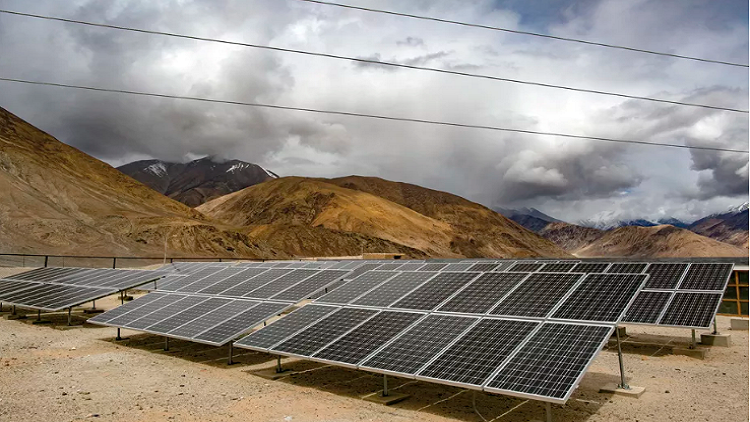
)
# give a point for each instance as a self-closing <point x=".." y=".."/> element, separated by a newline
<point x="198" y="181"/>
<point x="729" y="227"/>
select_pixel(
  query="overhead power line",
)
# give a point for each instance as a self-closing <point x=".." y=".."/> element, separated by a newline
<point x="535" y="34"/>
<point x="370" y="116"/>
<point x="375" y="62"/>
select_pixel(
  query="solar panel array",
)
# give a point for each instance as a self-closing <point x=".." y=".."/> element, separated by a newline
<point x="55" y="288"/>
<point x="680" y="295"/>
<point x="456" y="328"/>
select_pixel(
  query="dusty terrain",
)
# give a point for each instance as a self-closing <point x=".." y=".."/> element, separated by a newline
<point x="83" y="374"/>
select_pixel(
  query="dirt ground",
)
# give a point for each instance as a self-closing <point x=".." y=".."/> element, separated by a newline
<point x="50" y="373"/>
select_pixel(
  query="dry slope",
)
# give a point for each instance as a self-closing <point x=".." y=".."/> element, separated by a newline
<point x="309" y="216"/>
<point x="56" y="199"/>
<point x="657" y="241"/>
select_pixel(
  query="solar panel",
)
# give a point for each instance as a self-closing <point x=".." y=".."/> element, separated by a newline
<point x="189" y="279"/>
<point x="165" y="312"/>
<point x="212" y="318"/>
<point x="551" y="362"/>
<point x="691" y="310"/>
<point x="129" y="306"/>
<point x="478" y="353"/>
<point x="286" y="327"/>
<point x="601" y="297"/>
<point x="417" y="346"/>
<point x="394" y="289"/>
<point x="256" y="282"/>
<point x="525" y="267"/>
<point x="647" y="307"/>
<point x="537" y="295"/>
<point x="361" y="270"/>
<point x="240" y="324"/>
<point x="434" y="266"/>
<point x="458" y="267"/>
<point x="389" y="267"/>
<point x="136" y="309"/>
<point x="315" y="337"/>
<point x="435" y="291"/>
<point x="483" y="267"/>
<point x="664" y="276"/>
<point x="557" y="267"/>
<point x="53" y="297"/>
<point x="483" y="293"/>
<point x="10" y="286"/>
<point x="280" y="284"/>
<point x="244" y="275"/>
<point x="28" y="275"/>
<point x="627" y="267"/>
<point x="357" y="287"/>
<point x="310" y="285"/>
<point x="209" y="280"/>
<point x="707" y="277"/>
<point x="187" y="315"/>
<point x="368" y="337"/>
<point x="504" y="266"/>
<point x="411" y="266"/>
<point x="590" y="267"/>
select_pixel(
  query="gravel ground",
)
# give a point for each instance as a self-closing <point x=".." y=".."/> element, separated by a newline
<point x="48" y="373"/>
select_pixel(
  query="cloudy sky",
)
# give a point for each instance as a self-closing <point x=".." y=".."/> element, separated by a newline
<point x="569" y="179"/>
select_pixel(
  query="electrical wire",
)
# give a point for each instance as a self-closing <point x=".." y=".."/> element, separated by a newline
<point x="515" y="31"/>
<point x="370" y="116"/>
<point x="377" y="62"/>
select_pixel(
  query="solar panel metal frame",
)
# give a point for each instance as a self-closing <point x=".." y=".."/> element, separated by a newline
<point x="549" y="399"/>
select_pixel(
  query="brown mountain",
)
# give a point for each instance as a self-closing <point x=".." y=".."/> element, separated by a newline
<point x="730" y="227"/>
<point x="56" y="199"/>
<point x="655" y="242"/>
<point x="347" y="215"/>
<point x="198" y="181"/>
<point x="570" y="236"/>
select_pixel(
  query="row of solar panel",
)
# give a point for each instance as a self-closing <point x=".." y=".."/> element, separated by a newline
<point x="203" y="319"/>
<point x="585" y="297"/>
<point x="92" y="277"/>
<point x="48" y="297"/>
<point x="542" y="360"/>
<point x="290" y="285"/>
<point x="674" y="308"/>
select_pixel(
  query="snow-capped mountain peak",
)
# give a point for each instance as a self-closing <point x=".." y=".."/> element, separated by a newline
<point x="157" y="169"/>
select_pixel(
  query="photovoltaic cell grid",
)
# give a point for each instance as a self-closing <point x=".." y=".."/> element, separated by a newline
<point x="551" y="362"/>
<point x="665" y="275"/>
<point x="483" y="293"/>
<point x="562" y="267"/>
<point x="209" y="320"/>
<point x="601" y="297"/>
<point x="394" y="289"/>
<point x="287" y="326"/>
<point x="435" y="291"/>
<point x="537" y="295"/>
<point x="525" y="267"/>
<point x="418" y="345"/>
<point x="98" y="278"/>
<point x="357" y="287"/>
<point x="52" y="297"/>
<point x="691" y="309"/>
<point x="591" y="267"/>
<point x="707" y="277"/>
<point x="648" y="307"/>
<point x="627" y="267"/>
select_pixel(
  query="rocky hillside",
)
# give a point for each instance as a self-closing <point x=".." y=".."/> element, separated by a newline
<point x="56" y="199"/>
<point x="662" y="241"/>
<point x="198" y="181"/>
<point x="570" y="236"/>
<point x="351" y="214"/>
<point x="730" y="227"/>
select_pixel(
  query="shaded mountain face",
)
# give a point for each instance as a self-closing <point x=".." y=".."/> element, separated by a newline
<point x="198" y="181"/>
<point x="730" y="227"/>
<point x="662" y="241"/>
<point x="57" y="200"/>
<point x="530" y="218"/>
<point x="570" y="236"/>
<point x="349" y="215"/>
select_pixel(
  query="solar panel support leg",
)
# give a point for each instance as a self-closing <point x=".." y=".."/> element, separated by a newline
<point x="93" y="305"/>
<point x="548" y="409"/>
<point x="166" y="343"/>
<point x="122" y="298"/>
<point x="38" y="314"/>
<point x="231" y="353"/>
<point x="279" y="369"/>
<point x="623" y="384"/>
<point x="385" y="385"/>
<point x="693" y="342"/>
<point x="716" y="327"/>
<point x="70" y="310"/>
<point x="118" y="338"/>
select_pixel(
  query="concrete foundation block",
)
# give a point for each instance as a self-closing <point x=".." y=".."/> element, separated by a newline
<point x="391" y="398"/>
<point x="740" y="324"/>
<point x="271" y="374"/>
<point x="697" y="353"/>
<point x="722" y="340"/>
<point x="16" y="316"/>
<point x="623" y="332"/>
<point x="632" y="392"/>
